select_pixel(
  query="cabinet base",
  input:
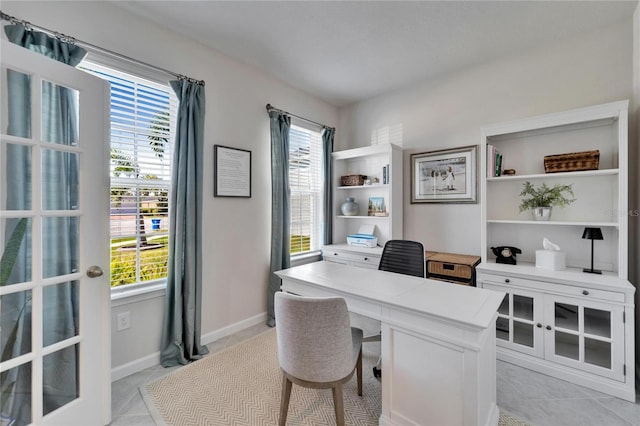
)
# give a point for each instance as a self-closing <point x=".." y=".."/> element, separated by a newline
<point x="620" y="390"/>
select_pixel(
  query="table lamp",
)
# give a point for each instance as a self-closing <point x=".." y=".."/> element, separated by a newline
<point x="592" y="234"/>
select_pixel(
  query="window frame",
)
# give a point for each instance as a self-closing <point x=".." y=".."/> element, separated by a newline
<point x="131" y="293"/>
<point x="316" y="254"/>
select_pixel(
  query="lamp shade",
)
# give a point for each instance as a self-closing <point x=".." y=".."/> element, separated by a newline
<point x="592" y="234"/>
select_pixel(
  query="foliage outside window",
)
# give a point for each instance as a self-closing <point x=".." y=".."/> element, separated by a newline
<point x="142" y="135"/>
<point x="305" y="182"/>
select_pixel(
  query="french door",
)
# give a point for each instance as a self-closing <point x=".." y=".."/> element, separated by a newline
<point x="54" y="285"/>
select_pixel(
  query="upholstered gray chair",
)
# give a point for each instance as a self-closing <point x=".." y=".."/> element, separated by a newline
<point x="317" y="347"/>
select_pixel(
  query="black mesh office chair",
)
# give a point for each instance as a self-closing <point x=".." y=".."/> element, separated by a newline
<point x="402" y="257"/>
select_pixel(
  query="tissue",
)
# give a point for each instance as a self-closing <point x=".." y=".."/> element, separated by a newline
<point x="551" y="257"/>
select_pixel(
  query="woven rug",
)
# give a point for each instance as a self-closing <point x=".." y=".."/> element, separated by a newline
<point x="241" y="386"/>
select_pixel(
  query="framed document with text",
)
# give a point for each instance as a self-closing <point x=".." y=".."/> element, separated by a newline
<point x="231" y="172"/>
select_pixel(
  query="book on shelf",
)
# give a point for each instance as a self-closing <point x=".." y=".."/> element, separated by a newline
<point x="384" y="175"/>
<point x="494" y="162"/>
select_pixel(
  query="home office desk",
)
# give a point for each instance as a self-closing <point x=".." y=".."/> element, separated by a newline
<point x="438" y="340"/>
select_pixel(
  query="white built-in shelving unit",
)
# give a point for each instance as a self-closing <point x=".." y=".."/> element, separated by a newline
<point x="368" y="161"/>
<point x="574" y="325"/>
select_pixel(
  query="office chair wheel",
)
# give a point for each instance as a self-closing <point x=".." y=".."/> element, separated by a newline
<point x="377" y="372"/>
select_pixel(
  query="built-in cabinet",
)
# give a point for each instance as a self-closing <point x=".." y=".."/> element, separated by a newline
<point x="373" y="162"/>
<point x="573" y="325"/>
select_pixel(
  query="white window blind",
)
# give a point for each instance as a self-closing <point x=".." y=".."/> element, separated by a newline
<point x="305" y="182"/>
<point x="142" y="137"/>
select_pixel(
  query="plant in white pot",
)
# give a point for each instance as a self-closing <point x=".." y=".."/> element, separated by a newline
<point x="540" y="200"/>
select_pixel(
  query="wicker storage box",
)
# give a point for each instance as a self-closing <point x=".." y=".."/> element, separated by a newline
<point x="572" y="162"/>
<point x="456" y="268"/>
<point x="352" y="180"/>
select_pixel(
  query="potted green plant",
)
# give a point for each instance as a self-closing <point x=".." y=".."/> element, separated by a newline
<point x="540" y="200"/>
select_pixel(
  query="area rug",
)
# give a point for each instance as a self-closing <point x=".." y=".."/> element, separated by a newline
<point x="241" y="385"/>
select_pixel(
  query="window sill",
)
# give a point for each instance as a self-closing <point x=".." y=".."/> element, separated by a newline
<point x="124" y="296"/>
<point x="301" y="259"/>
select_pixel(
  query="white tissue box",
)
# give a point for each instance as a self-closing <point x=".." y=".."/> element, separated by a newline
<point x="551" y="259"/>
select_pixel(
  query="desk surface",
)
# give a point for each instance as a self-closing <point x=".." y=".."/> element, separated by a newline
<point x="467" y="305"/>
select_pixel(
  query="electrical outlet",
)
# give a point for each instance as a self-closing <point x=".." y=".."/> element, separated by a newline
<point x="123" y="321"/>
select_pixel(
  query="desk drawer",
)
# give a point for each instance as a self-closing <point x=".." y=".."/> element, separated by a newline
<point x="557" y="288"/>
<point x="362" y="260"/>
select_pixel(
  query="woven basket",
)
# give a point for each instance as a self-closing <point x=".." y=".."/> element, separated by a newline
<point x="572" y="162"/>
<point x="352" y="180"/>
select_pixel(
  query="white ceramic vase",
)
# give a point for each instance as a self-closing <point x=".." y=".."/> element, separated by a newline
<point x="349" y="207"/>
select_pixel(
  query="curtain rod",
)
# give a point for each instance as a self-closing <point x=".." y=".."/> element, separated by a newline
<point x="72" y="40"/>
<point x="271" y="108"/>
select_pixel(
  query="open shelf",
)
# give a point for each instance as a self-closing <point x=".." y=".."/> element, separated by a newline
<point x="587" y="173"/>
<point x="554" y="222"/>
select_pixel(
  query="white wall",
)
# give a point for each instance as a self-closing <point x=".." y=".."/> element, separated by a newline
<point x="237" y="231"/>
<point x="448" y="112"/>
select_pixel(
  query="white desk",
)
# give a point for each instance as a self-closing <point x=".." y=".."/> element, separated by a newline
<point x="438" y="340"/>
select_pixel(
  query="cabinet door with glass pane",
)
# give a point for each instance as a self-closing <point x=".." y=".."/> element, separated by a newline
<point x="585" y="335"/>
<point x="519" y="322"/>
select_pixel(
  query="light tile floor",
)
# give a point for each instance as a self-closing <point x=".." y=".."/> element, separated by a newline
<point x="535" y="398"/>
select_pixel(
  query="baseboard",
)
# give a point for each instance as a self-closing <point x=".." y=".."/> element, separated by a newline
<point x="233" y="328"/>
<point x="135" y="366"/>
<point x="153" y="359"/>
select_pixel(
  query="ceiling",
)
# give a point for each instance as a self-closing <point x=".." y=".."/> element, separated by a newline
<point x="348" y="51"/>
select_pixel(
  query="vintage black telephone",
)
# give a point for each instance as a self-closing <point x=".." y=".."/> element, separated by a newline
<point x="506" y="254"/>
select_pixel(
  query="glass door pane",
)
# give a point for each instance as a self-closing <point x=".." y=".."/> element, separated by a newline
<point x="567" y="345"/>
<point x="523" y="333"/>
<point x="597" y="322"/>
<point x="597" y="352"/>
<point x="502" y="328"/>
<point x="523" y="307"/>
<point x="566" y="316"/>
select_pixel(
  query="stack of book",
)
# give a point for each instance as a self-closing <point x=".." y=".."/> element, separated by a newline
<point x="494" y="162"/>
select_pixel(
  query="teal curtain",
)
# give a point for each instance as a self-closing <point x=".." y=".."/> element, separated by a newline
<point x="59" y="183"/>
<point x="280" y="211"/>
<point x="183" y="303"/>
<point x="327" y="149"/>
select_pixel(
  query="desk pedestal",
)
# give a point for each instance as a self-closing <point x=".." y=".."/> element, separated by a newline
<point x="443" y="377"/>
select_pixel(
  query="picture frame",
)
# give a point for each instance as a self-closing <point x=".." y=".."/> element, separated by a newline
<point x="376" y="207"/>
<point x="445" y="176"/>
<point x="231" y="172"/>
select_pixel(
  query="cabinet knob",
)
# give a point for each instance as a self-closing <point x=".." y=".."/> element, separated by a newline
<point x="335" y="254"/>
<point x="539" y="325"/>
<point x="585" y="292"/>
<point x="548" y="327"/>
<point x="506" y="280"/>
<point x="366" y="258"/>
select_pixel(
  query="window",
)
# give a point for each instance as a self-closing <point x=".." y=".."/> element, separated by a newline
<point x="306" y="183"/>
<point x="142" y="135"/>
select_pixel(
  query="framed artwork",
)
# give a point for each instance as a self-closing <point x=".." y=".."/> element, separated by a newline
<point x="376" y="207"/>
<point x="445" y="176"/>
<point x="231" y="172"/>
